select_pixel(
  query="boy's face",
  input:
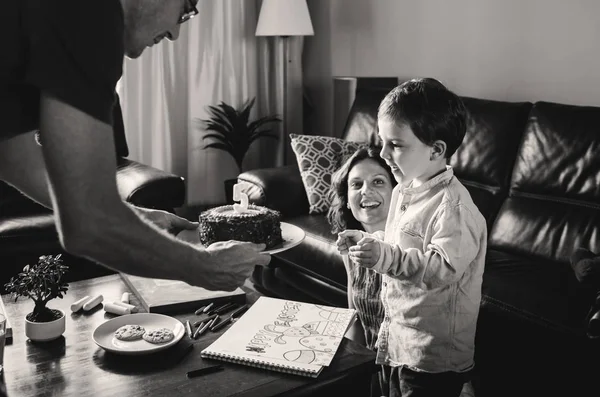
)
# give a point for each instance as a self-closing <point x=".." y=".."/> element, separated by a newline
<point x="408" y="157"/>
<point x="369" y="194"/>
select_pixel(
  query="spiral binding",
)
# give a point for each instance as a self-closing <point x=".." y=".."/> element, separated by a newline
<point x="290" y="369"/>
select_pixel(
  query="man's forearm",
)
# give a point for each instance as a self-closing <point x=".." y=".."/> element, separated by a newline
<point x="126" y="243"/>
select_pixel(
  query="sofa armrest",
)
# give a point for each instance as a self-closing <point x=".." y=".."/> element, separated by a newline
<point x="149" y="187"/>
<point x="280" y="189"/>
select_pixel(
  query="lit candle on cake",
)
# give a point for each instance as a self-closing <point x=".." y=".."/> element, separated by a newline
<point x="240" y="196"/>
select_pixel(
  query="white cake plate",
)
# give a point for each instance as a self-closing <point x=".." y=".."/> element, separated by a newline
<point x="292" y="236"/>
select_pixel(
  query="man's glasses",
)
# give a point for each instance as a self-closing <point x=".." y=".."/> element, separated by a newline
<point x="189" y="11"/>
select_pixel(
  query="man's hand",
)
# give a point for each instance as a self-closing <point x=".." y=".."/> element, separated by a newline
<point x="191" y="236"/>
<point x="234" y="262"/>
<point x="366" y="252"/>
<point x="347" y="239"/>
<point x="167" y="221"/>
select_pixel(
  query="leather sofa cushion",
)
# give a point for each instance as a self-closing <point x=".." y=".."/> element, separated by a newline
<point x="494" y="130"/>
<point x="545" y="228"/>
<point x="149" y="187"/>
<point x="487" y="199"/>
<point x="280" y="189"/>
<point x="20" y="232"/>
<point x="361" y="125"/>
<point x="317" y="254"/>
<point x="539" y="291"/>
<point x="554" y="205"/>
<point x="559" y="153"/>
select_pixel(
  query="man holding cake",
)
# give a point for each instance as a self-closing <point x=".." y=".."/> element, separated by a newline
<point x="57" y="86"/>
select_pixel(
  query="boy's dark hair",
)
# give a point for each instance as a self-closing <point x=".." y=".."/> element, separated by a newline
<point x="432" y="111"/>
<point x="339" y="215"/>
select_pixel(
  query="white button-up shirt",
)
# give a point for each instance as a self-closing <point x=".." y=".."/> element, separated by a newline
<point x="432" y="258"/>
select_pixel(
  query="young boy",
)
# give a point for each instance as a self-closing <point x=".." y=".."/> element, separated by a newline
<point x="432" y="252"/>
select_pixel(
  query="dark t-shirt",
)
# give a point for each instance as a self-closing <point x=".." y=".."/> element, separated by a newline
<point x="72" y="49"/>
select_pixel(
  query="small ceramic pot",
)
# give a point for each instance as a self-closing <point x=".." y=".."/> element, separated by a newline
<point x="43" y="332"/>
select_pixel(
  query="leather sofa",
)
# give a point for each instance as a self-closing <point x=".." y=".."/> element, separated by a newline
<point x="27" y="229"/>
<point x="533" y="169"/>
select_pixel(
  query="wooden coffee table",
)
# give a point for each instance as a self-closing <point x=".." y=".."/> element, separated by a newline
<point x="74" y="365"/>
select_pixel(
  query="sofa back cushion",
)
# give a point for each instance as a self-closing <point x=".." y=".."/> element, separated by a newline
<point x="554" y="200"/>
<point x="361" y="124"/>
<point x="484" y="160"/>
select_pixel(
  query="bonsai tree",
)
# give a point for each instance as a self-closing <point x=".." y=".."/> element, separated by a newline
<point x="41" y="283"/>
<point x="232" y="130"/>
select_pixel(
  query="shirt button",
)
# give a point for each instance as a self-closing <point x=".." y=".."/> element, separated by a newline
<point x="403" y="207"/>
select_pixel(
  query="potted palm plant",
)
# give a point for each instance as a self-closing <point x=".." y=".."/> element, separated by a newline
<point x="231" y="130"/>
<point x="41" y="283"/>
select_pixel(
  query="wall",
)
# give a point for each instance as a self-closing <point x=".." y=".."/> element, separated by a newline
<point x="510" y="50"/>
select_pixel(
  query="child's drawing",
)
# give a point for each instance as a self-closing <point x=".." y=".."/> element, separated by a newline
<point x="283" y="330"/>
<point x="321" y="349"/>
<point x="334" y="313"/>
<point x="295" y="332"/>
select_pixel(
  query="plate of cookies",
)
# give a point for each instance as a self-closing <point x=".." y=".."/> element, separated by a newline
<point x="139" y="333"/>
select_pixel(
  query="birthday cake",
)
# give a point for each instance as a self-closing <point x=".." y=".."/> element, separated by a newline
<point x="255" y="223"/>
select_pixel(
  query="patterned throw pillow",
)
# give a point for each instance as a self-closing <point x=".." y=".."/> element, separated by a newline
<point x="318" y="158"/>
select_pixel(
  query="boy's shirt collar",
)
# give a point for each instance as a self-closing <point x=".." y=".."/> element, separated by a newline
<point x="443" y="177"/>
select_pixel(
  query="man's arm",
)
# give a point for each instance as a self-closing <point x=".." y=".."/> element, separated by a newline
<point x="94" y="222"/>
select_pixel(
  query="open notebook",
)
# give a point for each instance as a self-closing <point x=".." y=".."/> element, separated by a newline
<point x="282" y="335"/>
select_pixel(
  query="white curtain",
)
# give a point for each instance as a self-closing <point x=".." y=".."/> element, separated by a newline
<point x="216" y="58"/>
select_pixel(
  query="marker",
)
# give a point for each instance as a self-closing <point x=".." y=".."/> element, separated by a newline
<point x="202" y="321"/>
<point x="219" y="309"/>
<point x="76" y="306"/>
<point x="188" y="329"/>
<point x="132" y="308"/>
<point x="232" y="317"/>
<point x="111" y="307"/>
<point x="221" y="324"/>
<point x="200" y="311"/>
<point x="92" y="303"/>
<point x="239" y="310"/>
<point x="225" y="308"/>
<point x="207" y="307"/>
<point x="202" y="330"/>
<point x="125" y="297"/>
<point x="205" y="371"/>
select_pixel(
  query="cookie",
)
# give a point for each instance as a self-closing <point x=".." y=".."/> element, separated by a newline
<point x="161" y="335"/>
<point x="130" y="332"/>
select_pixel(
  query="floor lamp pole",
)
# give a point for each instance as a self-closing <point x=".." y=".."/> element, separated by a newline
<point x="285" y="137"/>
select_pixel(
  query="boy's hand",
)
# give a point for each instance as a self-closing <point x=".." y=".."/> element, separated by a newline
<point x="366" y="252"/>
<point x="346" y="239"/>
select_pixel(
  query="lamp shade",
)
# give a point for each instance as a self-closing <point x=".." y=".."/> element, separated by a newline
<point x="284" y="18"/>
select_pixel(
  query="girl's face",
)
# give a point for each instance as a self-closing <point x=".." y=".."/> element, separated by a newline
<point x="369" y="194"/>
